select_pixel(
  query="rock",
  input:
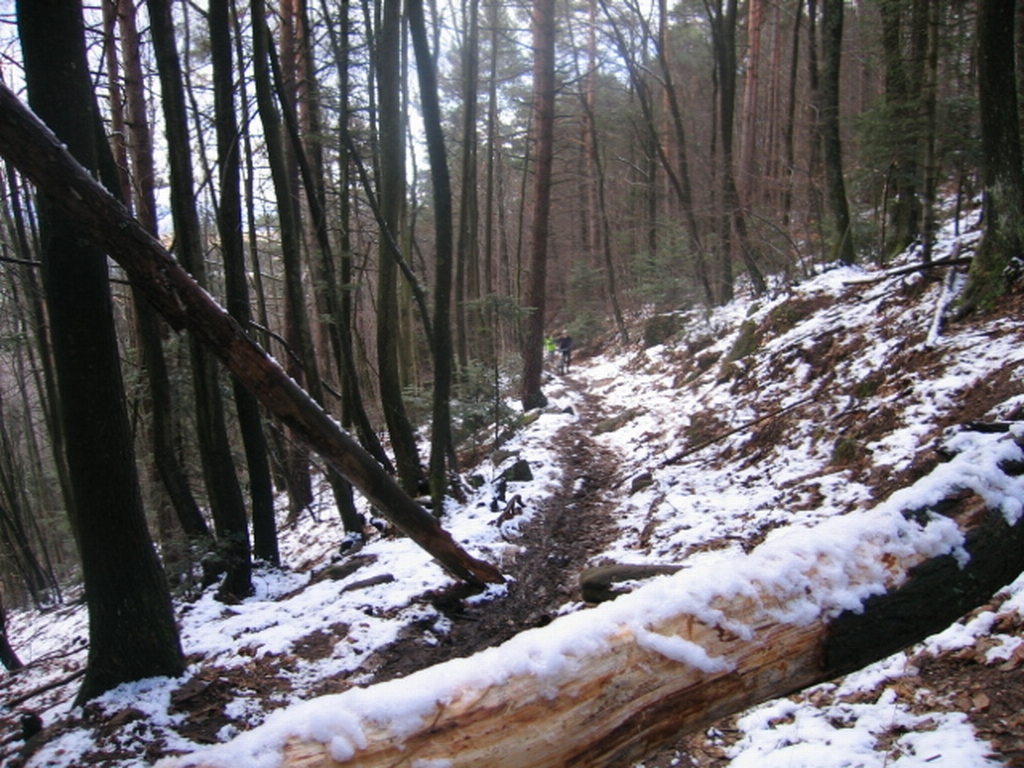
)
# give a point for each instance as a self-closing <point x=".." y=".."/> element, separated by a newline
<point x="519" y="472"/>
<point x="658" y="329"/>
<point x="641" y="481"/>
<point x="616" y="422"/>
<point x="343" y="570"/>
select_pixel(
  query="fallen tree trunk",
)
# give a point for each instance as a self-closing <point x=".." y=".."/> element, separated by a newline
<point x="609" y="685"/>
<point x="33" y="149"/>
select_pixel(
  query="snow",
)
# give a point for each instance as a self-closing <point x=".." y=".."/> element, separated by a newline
<point x="788" y="522"/>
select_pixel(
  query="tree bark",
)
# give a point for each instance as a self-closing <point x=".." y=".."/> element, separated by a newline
<point x="229" y="228"/>
<point x="296" y="466"/>
<point x="137" y="134"/>
<point x="37" y="153"/>
<point x="832" y="40"/>
<point x="543" y="23"/>
<point x="353" y="410"/>
<point x="132" y="633"/>
<point x="392" y="194"/>
<point x="441" y="444"/>
<point x="641" y="681"/>
<point x="1001" y="157"/>
<point x="219" y="472"/>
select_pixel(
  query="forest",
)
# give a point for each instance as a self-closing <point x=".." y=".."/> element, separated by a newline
<point x="400" y="202"/>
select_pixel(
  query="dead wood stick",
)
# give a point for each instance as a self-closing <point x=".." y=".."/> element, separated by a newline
<point x="18" y="700"/>
<point x="34" y="150"/>
<point x="924" y="266"/>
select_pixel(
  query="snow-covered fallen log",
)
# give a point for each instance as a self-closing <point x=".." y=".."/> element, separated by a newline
<point x="607" y="685"/>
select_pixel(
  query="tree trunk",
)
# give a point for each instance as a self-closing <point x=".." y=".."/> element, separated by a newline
<point x="296" y="465"/>
<point x="723" y="32"/>
<point x="608" y="686"/>
<point x="902" y="103"/>
<point x="751" y="104"/>
<point x="219" y="472"/>
<point x="600" y="226"/>
<point x="467" y="280"/>
<point x="353" y="410"/>
<point x="37" y="153"/>
<point x="132" y="634"/>
<point x="1001" y="157"/>
<point x="789" y="169"/>
<point x="832" y="41"/>
<point x="229" y="228"/>
<point x="311" y="181"/>
<point x="543" y="23"/>
<point x="164" y="430"/>
<point x="392" y="196"/>
<point x="441" y="343"/>
<point x="8" y="656"/>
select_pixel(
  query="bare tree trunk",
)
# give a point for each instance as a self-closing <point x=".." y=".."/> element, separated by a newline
<point x="723" y="32"/>
<point x="1001" y="157"/>
<point x="441" y="344"/>
<point x="467" y="279"/>
<point x="543" y="24"/>
<point x="229" y="227"/>
<point x="751" y="104"/>
<point x="392" y="195"/>
<point x="832" y="39"/>
<point x="600" y="227"/>
<point x="789" y="130"/>
<point x="353" y="411"/>
<point x="132" y="634"/>
<point x="930" y="108"/>
<point x="640" y="682"/>
<point x="219" y="471"/>
<point x="164" y="430"/>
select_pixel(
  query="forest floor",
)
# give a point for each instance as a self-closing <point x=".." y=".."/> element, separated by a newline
<point x="733" y="452"/>
<point x="571" y="527"/>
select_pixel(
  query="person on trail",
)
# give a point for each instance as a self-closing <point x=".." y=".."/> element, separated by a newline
<point x="564" y="344"/>
<point x="550" y="350"/>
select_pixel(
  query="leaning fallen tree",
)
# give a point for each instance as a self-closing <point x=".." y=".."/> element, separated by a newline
<point x="605" y="686"/>
<point x="37" y="153"/>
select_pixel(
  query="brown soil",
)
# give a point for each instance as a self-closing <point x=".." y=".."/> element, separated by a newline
<point x="566" y="531"/>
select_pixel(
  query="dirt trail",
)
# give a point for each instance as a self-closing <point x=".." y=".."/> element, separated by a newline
<point x="567" y="529"/>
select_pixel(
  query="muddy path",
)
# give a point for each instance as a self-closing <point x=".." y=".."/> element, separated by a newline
<point x="566" y="530"/>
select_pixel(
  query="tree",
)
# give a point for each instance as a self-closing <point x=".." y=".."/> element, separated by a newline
<point x="441" y="341"/>
<point x="219" y="472"/>
<point x="1001" y="157"/>
<point x="229" y="228"/>
<point x="832" y="42"/>
<point x="543" y="27"/>
<point x="723" y="34"/>
<point x="297" y="329"/>
<point x="392" y="203"/>
<point x="132" y="634"/>
<point x="135" y="138"/>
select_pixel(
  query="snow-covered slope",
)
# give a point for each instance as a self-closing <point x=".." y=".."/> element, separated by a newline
<point x="754" y="437"/>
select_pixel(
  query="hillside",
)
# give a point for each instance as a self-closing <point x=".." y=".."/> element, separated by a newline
<point x="723" y="434"/>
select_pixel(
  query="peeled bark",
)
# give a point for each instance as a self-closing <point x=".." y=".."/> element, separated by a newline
<point x="37" y="153"/>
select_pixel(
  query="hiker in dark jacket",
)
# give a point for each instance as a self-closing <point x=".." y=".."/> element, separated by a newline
<point x="564" y="344"/>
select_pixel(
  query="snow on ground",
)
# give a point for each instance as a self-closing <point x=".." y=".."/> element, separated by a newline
<point x="708" y="484"/>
